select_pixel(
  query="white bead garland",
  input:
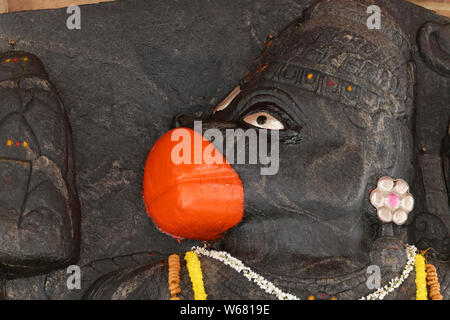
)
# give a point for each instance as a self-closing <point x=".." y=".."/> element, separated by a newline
<point x="237" y="265"/>
<point x="270" y="288"/>
<point x="411" y="252"/>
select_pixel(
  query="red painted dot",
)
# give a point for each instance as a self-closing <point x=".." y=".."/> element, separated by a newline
<point x="331" y="83"/>
<point x="18" y="143"/>
<point x="322" y="295"/>
<point x="15" y="60"/>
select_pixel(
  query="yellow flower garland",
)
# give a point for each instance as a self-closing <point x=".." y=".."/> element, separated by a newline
<point x="195" y="273"/>
<point x="422" y="271"/>
<point x="421" y="278"/>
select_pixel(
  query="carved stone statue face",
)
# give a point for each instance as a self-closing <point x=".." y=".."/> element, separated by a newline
<point x="341" y="103"/>
<point x="326" y="157"/>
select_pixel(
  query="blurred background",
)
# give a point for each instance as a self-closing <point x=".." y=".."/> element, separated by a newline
<point x="442" y="7"/>
<point x="21" y="5"/>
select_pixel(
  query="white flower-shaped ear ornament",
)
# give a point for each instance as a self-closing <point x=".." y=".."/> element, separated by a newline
<point x="392" y="200"/>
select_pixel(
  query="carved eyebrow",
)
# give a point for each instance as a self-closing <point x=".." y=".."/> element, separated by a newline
<point x="226" y="102"/>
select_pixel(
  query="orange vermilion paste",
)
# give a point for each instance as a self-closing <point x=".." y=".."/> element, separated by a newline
<point x="196" y="200"/>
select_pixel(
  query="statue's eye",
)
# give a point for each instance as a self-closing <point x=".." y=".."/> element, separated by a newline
<point x="263" y="120"/>
<point x="225" y="102"/>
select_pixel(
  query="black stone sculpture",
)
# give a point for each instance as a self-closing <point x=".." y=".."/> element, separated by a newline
<point x="40" y="221"/>
<point x="345" y="96"/>
<point x="376" y="104"/>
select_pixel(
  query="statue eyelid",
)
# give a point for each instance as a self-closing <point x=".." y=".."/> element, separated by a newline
<point x="263" y="120"/>
<point x="273" y="111"/>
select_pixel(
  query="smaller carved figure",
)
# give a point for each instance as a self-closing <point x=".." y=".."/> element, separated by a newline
<point x="39" y="209"/>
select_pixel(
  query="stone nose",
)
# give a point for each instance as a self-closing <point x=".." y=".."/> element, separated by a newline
<point x="188" y="192"/>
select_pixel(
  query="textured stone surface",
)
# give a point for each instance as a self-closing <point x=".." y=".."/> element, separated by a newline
<point x="40" y="222"/>
<point x="129" y="70"/>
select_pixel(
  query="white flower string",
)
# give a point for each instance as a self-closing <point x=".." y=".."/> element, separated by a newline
<point x="237" y="265"/>
<point x="270" y="288"/>
<point x="411" y="252"/>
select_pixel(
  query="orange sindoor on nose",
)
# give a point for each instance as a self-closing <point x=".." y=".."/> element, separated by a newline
<point x="194" y="199"/>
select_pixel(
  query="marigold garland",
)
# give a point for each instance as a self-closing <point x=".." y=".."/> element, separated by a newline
<point x="433" y="283"/>
<point x="195" y="273"/>
<point x="174" y="276"/>
<point x="421" y="278"/>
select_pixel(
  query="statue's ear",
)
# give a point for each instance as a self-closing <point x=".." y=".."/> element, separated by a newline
<point x="434" y="44"/>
